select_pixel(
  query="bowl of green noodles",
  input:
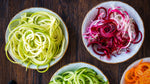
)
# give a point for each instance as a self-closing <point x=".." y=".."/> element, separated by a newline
<point x="36" y="38"/>
<point x="79" y="73"/>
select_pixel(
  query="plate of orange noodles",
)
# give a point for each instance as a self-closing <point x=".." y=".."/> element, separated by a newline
<point x="137" y="73"/>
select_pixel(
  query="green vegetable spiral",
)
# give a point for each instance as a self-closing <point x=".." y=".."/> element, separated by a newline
<point x="81" y="76"/>
<point x="35" y="38"/>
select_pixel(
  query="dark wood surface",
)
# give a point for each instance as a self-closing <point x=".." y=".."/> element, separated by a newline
<point x="73" y="13"/>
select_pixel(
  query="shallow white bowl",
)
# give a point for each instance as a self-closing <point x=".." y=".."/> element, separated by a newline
<point x="134" y="64"/>
<point x="64" y="29"/>
<point x="77" y="65"/>
<point x="134" y="47"/>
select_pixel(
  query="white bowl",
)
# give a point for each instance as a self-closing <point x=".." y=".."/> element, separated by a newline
<point x="147" y="59"/>
<point x="64" y="29"/>
<point x="78" y="65"/>
<point x="134" y="47"/>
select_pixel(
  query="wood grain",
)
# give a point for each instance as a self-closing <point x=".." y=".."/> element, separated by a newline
<point x="73" y="13"/>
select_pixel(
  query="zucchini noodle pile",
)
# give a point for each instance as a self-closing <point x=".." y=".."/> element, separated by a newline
<point x="35" y="38"/>
<point x="81" y="76"/>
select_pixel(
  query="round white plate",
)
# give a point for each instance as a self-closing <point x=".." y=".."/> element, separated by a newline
<point x="132" y="13"/>
<point x="64" y="29"/>
<point x="78" y="65"/>
<point x="134" y="64"/>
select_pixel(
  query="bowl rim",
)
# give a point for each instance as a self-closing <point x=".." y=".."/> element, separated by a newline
<point x="86" y="45"/>
<point x="129" y="67"/>
<point x="77" y="63"/>
<point x="65" y="27"/>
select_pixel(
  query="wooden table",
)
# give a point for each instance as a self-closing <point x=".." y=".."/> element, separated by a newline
<point x="73" y="13"/>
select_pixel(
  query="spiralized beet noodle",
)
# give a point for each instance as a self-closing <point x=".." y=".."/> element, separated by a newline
<point x="112" y="31"/>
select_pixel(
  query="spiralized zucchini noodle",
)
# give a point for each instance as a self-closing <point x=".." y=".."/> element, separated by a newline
<point x="80" y="76"/>
<point x="35" y="38"/>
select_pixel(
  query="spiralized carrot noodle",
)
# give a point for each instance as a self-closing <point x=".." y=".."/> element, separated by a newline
<point x="139" y="74"/>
